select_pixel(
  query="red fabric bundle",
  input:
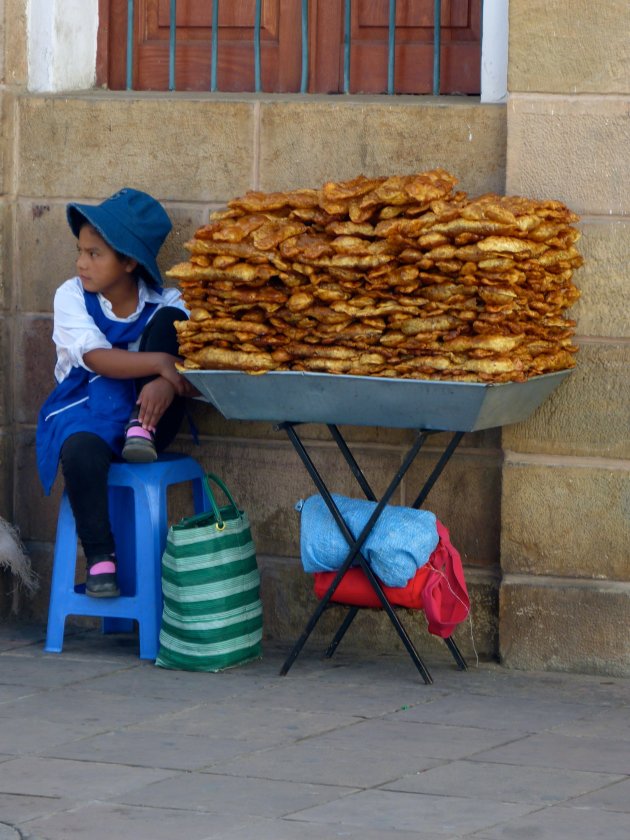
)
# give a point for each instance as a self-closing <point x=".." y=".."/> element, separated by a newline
<point x="438" y="588"/>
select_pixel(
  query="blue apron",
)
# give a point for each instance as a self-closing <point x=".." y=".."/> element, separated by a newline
<point x="86" y="401"/>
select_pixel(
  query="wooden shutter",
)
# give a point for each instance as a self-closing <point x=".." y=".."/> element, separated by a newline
<point x="281" y="45"/>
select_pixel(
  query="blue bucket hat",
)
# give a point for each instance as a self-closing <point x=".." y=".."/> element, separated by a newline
<point x="132" y="223"/>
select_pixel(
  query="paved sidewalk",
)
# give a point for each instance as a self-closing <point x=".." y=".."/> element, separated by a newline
<point x="95" y="743"/>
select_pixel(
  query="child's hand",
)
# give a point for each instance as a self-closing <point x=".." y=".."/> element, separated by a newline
<point x="182" y="386"/>
<point x="169" y="372"/>
<point x="154" y="399"/>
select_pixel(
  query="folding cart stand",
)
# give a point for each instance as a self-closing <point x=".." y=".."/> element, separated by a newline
<point x="426" y="405"/>
<point x="354" y="545"/>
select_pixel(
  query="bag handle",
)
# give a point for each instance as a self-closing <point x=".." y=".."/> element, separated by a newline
<point x="208" y="477"/>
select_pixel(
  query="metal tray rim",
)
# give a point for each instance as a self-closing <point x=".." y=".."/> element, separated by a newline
<point x="343" y="399"/>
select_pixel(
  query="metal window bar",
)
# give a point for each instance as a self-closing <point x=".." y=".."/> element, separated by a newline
<point x="437" y="44"/>
<point x="171" y="45"/>
<point x="391" y="48"/>
<point x="215" y="45"/>
<point x="346" y="46"/>
<point x="304" y="82"/>
<point x="130" y="31"/>
<point x="257" y="47"/>
<point x="347" y="43"/>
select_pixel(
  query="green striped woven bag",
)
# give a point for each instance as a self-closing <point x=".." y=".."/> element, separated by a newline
<point x="212" y="616"/>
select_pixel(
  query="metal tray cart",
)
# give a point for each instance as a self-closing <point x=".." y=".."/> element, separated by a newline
<point x="289" y="398"/>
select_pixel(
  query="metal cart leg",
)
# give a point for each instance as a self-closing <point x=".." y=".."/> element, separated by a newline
<point x="351" y="462"/>
<point x="341" y="632"/>
<point x="444" y="459"/>
<point x="297" y="647"/>
<point x="457" y="656"/>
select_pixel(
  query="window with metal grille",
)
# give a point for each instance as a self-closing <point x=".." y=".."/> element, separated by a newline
<point x="282" y="46"/>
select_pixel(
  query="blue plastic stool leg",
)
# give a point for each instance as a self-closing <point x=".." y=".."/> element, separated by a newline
<point x="148" y="558"/>
<point x="64" y="564"/>
<point x="121" y="503"/>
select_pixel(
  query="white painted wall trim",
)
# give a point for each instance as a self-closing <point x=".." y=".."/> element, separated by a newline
<point x="62" y="46"/>
<point x="494" y="50"/>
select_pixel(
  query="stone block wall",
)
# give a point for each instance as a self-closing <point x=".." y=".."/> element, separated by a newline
<point x="565" y="533"/>
<point x="194" y="153"/>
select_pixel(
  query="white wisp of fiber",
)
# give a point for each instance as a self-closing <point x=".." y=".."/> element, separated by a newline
<point x="15" y="560"/>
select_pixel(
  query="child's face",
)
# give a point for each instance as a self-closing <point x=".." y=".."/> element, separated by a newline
<point x="99" y="267"/>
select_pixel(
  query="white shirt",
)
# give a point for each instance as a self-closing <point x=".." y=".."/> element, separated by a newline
<point x="75" y="333"/>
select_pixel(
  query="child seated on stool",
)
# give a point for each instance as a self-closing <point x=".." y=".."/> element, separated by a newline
<point x="119" y="394"/>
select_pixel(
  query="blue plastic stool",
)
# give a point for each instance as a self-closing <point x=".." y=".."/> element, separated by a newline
<point x="138" y="514"/>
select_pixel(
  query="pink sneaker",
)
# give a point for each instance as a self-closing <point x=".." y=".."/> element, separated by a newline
<point x="101" y="581"/>
<point x="139" y="445"/>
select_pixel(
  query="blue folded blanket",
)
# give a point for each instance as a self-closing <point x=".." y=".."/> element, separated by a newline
<point x="401" y="541"/>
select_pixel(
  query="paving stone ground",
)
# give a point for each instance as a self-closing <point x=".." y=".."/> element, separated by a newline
<point x="95" y="743"/>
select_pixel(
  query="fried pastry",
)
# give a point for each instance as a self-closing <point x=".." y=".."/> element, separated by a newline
<point x="388" y="276"/>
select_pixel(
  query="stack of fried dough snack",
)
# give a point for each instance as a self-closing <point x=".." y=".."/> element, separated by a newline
<point x="397" y="277"/>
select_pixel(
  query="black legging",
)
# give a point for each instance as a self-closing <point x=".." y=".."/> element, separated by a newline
<point x="85" y="457"/>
